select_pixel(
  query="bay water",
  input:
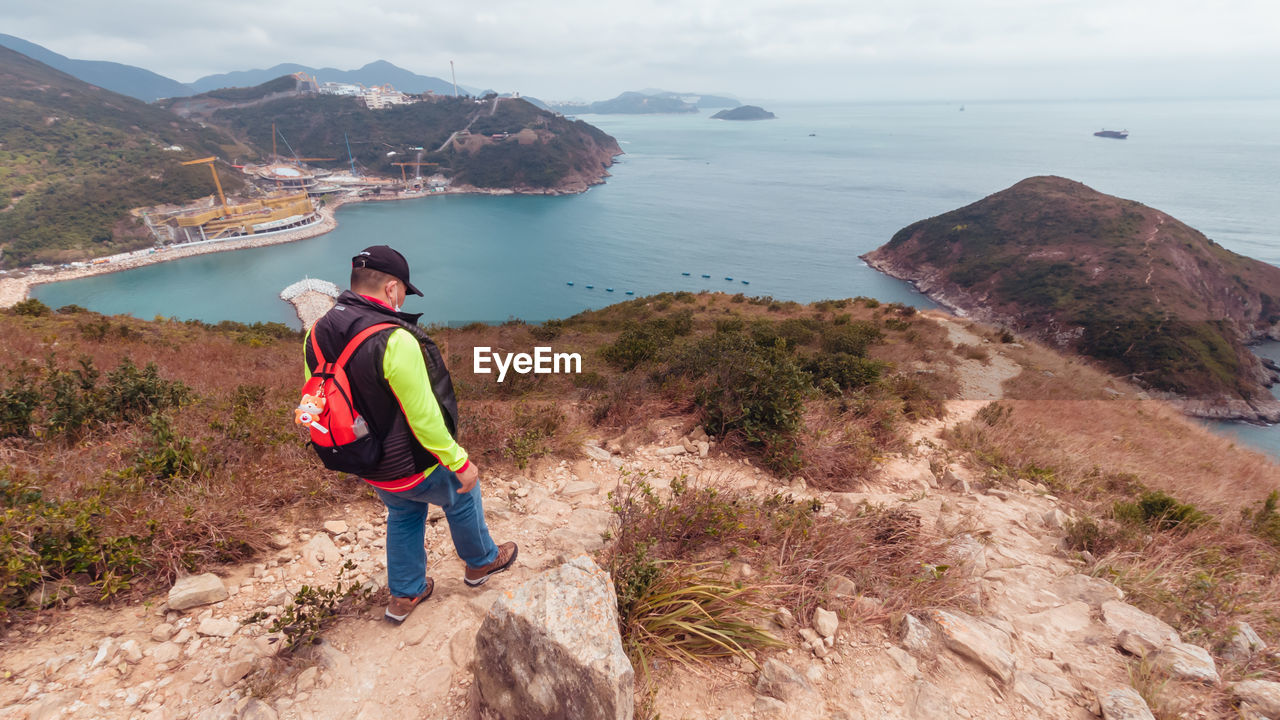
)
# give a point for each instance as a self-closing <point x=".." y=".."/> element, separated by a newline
<point x="786" y="205"/>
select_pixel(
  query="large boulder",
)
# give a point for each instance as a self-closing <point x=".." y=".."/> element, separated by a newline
<point x="1138" y="632"/>
<point x="551" y="649"/>
<point x="1262" y="695"/>
<point x="196" y="590"/>
<point x="984" y="644"/>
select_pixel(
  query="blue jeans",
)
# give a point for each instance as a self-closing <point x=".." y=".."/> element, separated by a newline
<point x="407" y="522"/>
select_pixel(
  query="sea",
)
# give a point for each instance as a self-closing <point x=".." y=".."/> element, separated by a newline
<point x="780" y="208"/>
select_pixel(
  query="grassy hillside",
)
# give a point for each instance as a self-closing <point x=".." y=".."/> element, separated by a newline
<point x="322" y="125"/>
<point x="135" y="450"/>
<point x="74" y="159"/>
<point x="1144" y="294"/>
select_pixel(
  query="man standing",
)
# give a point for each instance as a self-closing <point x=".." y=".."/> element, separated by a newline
<point x="400" y="386"/>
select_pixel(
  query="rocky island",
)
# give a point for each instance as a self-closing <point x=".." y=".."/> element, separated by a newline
<point x="745" y="112"/>
<point x="1142" y="294"/>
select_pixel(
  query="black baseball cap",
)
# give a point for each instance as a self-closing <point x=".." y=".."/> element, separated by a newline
<point x="384" y="259"/>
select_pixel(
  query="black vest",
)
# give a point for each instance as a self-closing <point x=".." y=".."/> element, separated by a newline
<point x="402" y="454"/>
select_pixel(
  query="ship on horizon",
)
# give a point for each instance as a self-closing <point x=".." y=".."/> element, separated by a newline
<point x="1117" y="134"/>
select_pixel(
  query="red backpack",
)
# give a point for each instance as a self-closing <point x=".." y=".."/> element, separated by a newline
<point x="339" y="435"/>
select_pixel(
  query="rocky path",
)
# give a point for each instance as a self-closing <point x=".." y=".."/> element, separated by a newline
<point x="1045" y="643"/>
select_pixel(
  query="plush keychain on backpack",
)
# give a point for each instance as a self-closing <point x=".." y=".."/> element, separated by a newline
<point x="308" y="412"/>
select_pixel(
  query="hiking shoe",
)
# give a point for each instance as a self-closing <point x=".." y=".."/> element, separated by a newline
<point x="506" y="555"/>
<point x="400" y="607"/>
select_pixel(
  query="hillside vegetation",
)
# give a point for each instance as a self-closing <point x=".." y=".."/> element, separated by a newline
<point x="551" y="151"/>
<point x="74" y="159"/>
<point x="136" y="450"/>
<point x="1141" y="293"/>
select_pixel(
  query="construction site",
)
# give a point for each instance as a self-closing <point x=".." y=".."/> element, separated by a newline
<point x="291" y="193"/>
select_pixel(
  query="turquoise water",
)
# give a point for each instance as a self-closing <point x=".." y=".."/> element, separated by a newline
<point x="787" y="205"/>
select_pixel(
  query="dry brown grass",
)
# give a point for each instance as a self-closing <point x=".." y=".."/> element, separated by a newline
<point x="792" y="549"/>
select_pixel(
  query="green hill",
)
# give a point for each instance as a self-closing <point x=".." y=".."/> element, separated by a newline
<point x="74" y="159"/>
<point x="1125" y="284"/>
<point x="534" y="148"/>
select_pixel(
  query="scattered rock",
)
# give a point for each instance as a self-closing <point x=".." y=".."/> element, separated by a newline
<point x="969" y="637"/>
<point x="255" y="709"/>
<point x="462" y="646"/>
<point x="952" y="481"/>
<point x="582" y="487"/>
<point x="596" y="453"/>
<point x="825" y="622"/>
<point x="1137" y="632"/>
<point x="1055" y="519"/>
<point x="551" y="648"/>
<point x="704" y="448"/>
<point x="306" y="680"/>
<point x="670" y="451"/>
<point x="233" y="672"/>
<point x="1124" y="704"/>
<point x="131" y="651"/>
<point x="106" y="653"/>
<point x="217" y="627"/>
<point x="916" y="636"/>
<point x="1263" y="695"/>
<point x="766" y="706"/>
<point x="1187" y="662"/>
<point x="319" y="549"/>
<point x="280" y="541"/>
<point x="781" y="681"/>
<point x="162" y="632"/>
<point x="841" y="586"/>
<point x="784" y="618"/>
<point x="196" y="590"/>
<point x="166" y="652"/>
<point x="335" y="527"/>
<point x="1244" y="643"/>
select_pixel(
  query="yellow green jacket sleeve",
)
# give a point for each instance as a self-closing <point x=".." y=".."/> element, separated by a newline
<point x="406" y="372"/>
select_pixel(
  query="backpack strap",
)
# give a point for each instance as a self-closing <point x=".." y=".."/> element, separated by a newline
<point x="357" y="340"/>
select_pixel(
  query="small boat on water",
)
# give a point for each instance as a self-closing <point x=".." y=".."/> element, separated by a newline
<point x="608" y="289"/>
<point x="744" y="282"/>
<point x="705" y="275"/>
<point x="685" y="274"/>
<point x="631" y="292"/>
<point x="570" y="283"/>
<point x="728" y="278"/>
<point x="1115" y="134"/>
<point x="591" y="287"/>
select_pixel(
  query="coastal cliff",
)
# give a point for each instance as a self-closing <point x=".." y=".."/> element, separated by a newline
<point x="1126" y="285"/>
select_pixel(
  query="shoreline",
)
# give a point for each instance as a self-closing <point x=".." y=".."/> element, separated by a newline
<point x="1226" y="410"/>
<point x="14" y="290"/>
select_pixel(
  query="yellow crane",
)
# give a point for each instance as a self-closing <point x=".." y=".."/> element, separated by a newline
<point x="217" y="183"/>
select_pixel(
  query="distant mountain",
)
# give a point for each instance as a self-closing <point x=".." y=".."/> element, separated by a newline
<point x="379" y="72"/>
<point x="78" y="158"/>
<point x="124" y="79"/>
<point x="630" y="103"/>
<point x="744" y="112"/>
<point x="1124" y="284"/>
<point x="700" y="100"/>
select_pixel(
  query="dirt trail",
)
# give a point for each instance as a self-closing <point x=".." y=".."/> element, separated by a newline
<point x="1004" y="542"/>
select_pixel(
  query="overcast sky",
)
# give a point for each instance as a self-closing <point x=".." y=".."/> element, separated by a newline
<point x="755" y="49"/>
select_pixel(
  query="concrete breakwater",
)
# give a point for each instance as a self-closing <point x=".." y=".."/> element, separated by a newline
<point x="311" y="299"/>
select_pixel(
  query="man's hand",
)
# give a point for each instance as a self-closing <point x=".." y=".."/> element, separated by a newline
<point x="468" y="478"/>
